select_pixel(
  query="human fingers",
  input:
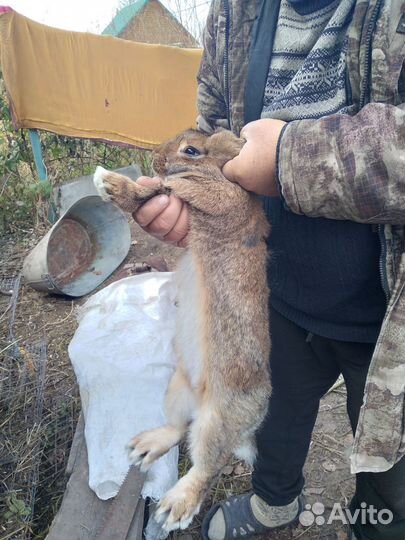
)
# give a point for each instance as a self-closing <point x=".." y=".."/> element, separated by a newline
<point x="237" y="168"/>
<point x="178" y="233"/>
<point x="255" y="167"/>
<point x="165" y="221"/>
<point x="150" y="210"/>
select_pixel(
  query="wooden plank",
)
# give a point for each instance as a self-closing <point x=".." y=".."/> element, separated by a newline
<point x="119" y="518"/>
<point x="136" y="530"/>
<point x="75" y="449"/>
<point x="82" y="513"/>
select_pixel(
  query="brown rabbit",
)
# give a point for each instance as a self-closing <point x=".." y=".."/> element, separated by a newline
<point x="220" y="389"/>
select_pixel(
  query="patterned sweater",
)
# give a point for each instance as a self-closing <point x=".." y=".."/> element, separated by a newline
<point x="307" y="75"/>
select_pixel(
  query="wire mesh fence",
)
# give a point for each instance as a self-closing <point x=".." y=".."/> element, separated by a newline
<point x="37" y="420"/>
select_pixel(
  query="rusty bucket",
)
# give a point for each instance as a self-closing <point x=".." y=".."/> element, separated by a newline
<point x="81" y="250"/>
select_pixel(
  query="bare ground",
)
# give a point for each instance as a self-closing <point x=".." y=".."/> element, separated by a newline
<point x="39" y="410"/>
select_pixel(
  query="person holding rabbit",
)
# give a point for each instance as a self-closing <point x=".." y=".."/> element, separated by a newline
<point x="317" y="90"/>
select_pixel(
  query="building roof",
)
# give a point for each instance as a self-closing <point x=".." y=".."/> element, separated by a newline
<point x="124" y="17"/>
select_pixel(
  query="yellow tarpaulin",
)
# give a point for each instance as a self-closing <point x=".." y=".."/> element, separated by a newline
<point x="98" y="87"/>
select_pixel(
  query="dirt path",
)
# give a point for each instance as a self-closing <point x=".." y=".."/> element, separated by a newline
<point x="33" y="455"/>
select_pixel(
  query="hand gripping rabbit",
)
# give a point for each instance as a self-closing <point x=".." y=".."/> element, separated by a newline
<point x="220" y="389"/>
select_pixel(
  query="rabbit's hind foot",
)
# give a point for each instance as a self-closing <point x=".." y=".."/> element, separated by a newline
<point x="181" y="503"/>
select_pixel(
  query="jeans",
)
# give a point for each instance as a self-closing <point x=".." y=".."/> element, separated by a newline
<point x="303" y="367"/>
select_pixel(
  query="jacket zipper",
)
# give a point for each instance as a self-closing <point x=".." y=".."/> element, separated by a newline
<point x="226" y="62"/>
<point x="363" y="98"/>
<point x="367" y="60"/>
<point x="382" y="262"/>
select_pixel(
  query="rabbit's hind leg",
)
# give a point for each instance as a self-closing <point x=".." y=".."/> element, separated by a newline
<point x="211" y="446"/>
<point x="149" y="446"/>
<point x="123" y="191"/>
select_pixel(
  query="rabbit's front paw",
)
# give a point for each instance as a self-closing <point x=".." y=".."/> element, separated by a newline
<point x="98" y="181"/>
<point x="123" y="191"/>
<point x="149" y="446"/>
<point x="115" y="188"/>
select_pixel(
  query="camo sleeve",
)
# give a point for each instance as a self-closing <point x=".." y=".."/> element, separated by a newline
<point x="211" y="102"/>
<point x="346" y="167"/>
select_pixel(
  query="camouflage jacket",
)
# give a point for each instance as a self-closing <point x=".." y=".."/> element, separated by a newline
<point x="340" y="167"/>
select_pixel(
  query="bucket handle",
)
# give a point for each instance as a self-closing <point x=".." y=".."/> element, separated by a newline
<point x="49" y="282"/>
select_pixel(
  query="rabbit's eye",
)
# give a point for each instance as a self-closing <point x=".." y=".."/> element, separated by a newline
<point x="191" y="151"/>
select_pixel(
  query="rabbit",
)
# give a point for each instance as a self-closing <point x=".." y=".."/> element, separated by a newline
<point x="220" y="389"/>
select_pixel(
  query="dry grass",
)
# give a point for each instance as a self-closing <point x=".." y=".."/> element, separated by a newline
<point x="39" y="406"/>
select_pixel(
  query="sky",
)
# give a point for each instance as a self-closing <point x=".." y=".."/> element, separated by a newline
<point x="87" y="15"/>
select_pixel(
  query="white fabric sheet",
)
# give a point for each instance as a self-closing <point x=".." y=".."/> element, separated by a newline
<point x="123" y="357"/>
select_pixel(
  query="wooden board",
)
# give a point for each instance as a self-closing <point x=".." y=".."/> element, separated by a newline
<point x="82" y="513"/>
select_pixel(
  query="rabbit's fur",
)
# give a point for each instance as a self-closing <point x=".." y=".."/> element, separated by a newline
<point x="220" y="389"/>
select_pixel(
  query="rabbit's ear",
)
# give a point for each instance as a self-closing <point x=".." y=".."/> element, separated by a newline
<point x="223" y="146"/>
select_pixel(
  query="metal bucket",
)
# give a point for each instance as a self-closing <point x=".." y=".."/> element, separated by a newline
<point x="81" y="250"/>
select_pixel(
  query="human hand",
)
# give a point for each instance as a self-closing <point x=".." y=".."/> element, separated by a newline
<point x="255" y="167"/>
<point x="164" y="217"/>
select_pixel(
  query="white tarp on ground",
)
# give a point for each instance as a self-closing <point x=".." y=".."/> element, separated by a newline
<point x="123" y="357"/>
